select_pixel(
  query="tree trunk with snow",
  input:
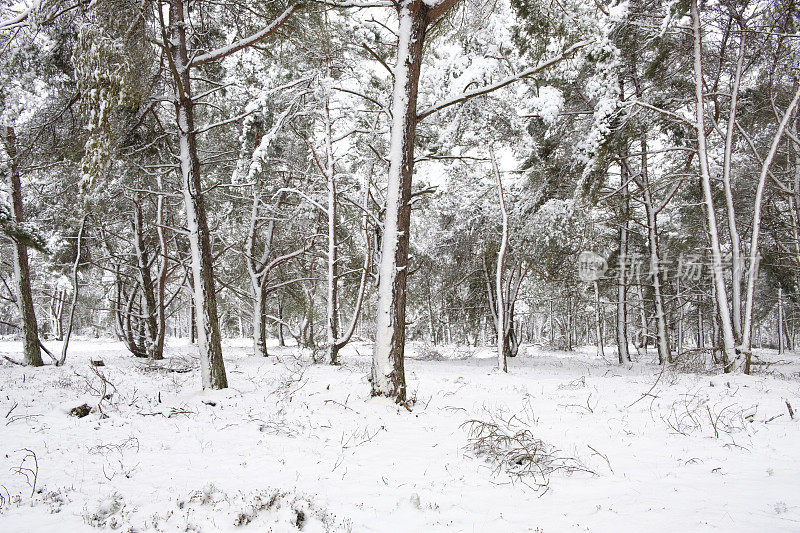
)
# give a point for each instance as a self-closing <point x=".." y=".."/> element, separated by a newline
<point x="75" y="289"/>
<point x="780" y="320"/>
<point x="721" y="297"/>
<point x="31" y="353"/>
<point x="333" y="246"/>
<point x="163" y="274"/>
<point x="598" y="320"/>
<point x="145" y="279"/>
<point x="662" y="335"/>
<point x="502" y="318"/>
<point x="623" y="354"/>
<point x="212" y="367"/>
<point x="388" y="371"/>
<point x="752" y="271"/>
<point x="733" y="232"/>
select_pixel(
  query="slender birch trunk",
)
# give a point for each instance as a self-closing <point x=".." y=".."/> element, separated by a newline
<point x="341" y="342"/>
<point x="662" y="334"/>
<point x="161" y="316"/>
<point x="780" y="320"/>
<point x="700" y="328"/>
<point x="679" y="299"/>
<point x="736" y="257"/>
<point x="642" y="317"/>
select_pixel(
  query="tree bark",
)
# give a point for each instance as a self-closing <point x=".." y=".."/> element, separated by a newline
<point x="146" y="280"/>
<point x="212" y="366"/>
<point x="598" y="320"/>
<point x="655" y="267"/>
<point x="31" y="353"/>
<point x="388" y="372"/>
<point x="721" y="297"/>
<point x="623" y="354"/>
<point x="333" y="246"/>
<point x="502" y="319"/>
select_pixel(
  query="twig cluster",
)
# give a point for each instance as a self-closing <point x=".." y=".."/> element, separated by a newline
<point x="692" y="413"/>
<point x="511" y="447"/>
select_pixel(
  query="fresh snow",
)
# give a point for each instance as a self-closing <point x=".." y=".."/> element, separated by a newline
<point x="293" y="442"/>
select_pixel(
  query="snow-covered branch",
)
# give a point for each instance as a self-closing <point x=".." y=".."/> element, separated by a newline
<point x="225" y="51"/>
<point x="21" y="17"/>
<point x="507" y="81"/>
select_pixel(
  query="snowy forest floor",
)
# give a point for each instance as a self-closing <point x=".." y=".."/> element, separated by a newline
<point x="293" y="445"/>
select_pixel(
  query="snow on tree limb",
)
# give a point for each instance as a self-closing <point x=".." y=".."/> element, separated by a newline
<point x="21" y="17"/>
<point x="507" y="81"/>
<point x="225" y="51"/>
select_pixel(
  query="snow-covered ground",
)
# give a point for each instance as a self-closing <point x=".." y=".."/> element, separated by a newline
<point x="293" y="445"/>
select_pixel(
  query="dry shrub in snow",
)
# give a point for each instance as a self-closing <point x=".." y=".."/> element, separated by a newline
<point x="509" y="445"/>
<point x="696" y="361"/>
<point x="110" y="512"/>
<point x="692" y="413"/>
<point x="179" y="364"/>
<point x="428" y="352"/>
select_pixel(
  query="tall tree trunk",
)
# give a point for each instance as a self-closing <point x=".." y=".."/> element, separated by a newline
<point x="31" y="353"/>
<point x="259" y="321"/>
<point x="161" y="316"/>
<point x="623" y="354"/>
<point x="736" y="270"/>
<point x="503" y="321"/>
<point x="655" y="272"/>
<point x="388" y="371"/>
<point x="598" y="320"/>
<point x="281" y="339"/>
<point x="146" y="281"/>
<point x="333" y="275"/>
<point x="192" y="321"/>
<point x="752" y="270"/>
<point x="644" y="334"/>
<point x="700" y="327"/>
<point x="75" y="288"/>
<point x="212" y="367"/>
<point x="780" y="320"/>
<point x="721" y="296"/>
<point x="679" y="333"/>
<point x="57" y="300"/>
